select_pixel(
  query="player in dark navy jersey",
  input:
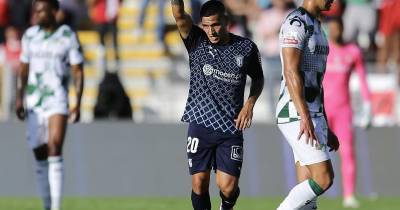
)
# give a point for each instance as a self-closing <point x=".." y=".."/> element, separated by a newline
<point x="215" y="110"/>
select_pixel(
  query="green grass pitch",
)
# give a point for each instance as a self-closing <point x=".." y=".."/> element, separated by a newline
<point x="136" y="203"/>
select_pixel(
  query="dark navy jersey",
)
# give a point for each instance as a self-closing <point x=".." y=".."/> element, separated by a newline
<point x="218" y="79"/>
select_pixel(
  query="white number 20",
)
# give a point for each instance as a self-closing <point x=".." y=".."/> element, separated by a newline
<point x="192" y="144"/>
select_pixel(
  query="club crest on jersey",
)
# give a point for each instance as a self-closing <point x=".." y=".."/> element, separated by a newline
<point x="239" y="60"/>
<point x="237" y="153"/>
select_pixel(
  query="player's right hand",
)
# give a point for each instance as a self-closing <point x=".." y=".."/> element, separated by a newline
<point x="19" y="109"/>
<point x="307" y="129"/>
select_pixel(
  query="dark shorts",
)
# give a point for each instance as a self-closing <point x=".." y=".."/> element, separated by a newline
<point x="209" y="149"/>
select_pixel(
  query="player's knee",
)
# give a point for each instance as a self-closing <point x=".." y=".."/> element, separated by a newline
<point x="54" y="147"/>
<point x="200" y="185"/>
<point x="324" y="179"/>
<point x="228" y="188"/>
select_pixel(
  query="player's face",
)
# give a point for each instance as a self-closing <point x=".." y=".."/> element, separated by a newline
<point x="335" y="30"/>
<point x="325" y="5"/>
<point x="215" y="27"/>
<point x="43" y="13"/>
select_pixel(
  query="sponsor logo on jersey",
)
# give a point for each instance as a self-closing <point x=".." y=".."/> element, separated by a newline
<point x="291" y="37"/>
<point x="237" y="153"/>
<point x="190" y="162"/>
<point x="209" y="70"/>
<point x="290" y="40"/>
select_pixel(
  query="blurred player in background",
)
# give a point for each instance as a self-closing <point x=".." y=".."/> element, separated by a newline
<point x="343" y="58"/>
<point x="300" y="110"/>
<point x="219" y="65"/>
<point x="49" y="52"/>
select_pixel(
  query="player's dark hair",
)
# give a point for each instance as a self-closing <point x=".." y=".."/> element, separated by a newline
<point x="55" y="4"/>
<point x="212" y="7"/>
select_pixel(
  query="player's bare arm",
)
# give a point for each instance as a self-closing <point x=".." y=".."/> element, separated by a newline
<point x="78" y="77"/>
<point x="245" y="116"/>
<point x="183" y="20"/>
<point x="295" y="85"/>
<point x="22" y="80"/>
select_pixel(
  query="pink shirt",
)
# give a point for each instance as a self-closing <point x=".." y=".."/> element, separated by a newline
<point x="341" y="62"/>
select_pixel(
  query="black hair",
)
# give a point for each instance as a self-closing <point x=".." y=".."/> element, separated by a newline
<point x="212" y="7"/>
<point x="54" y="4"/>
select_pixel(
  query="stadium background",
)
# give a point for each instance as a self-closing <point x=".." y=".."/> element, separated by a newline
<point x="146" y="157"/>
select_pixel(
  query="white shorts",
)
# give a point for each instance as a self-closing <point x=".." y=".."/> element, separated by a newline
<point x="38" y="126"/>
<point x="304" y="153"/>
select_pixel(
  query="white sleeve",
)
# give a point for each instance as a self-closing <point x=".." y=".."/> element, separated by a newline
<point x="24" y="57"/>
<point x="75" y="54"/>
<point x="293" y="33"/>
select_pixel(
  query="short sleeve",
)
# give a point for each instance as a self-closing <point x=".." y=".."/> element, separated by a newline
<point x="24" y="57"/>
<point x="75" y="54"/>
<point x="293" y="33"/>
<point x="192" y="40"/>
<point x="254" y="69"/>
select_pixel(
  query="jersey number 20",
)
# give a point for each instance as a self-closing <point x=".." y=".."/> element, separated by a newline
<point x="192" y="144"/>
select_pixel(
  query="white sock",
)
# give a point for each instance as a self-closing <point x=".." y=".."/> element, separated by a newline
<point x="42" y="175"/>
<point x="56" y="181"/>
<point x="298" y="197"/>
<point x="312" y="205"/>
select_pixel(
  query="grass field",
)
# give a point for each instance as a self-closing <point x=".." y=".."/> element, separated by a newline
<point x="181" y="204"/>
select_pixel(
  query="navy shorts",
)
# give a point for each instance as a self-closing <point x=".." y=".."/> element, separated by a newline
<point x="209" y="149"/>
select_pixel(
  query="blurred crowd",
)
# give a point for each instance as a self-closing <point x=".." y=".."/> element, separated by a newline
<point x="374" y="25"/>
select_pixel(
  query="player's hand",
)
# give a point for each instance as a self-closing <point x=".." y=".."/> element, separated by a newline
<point x="74" y="115"/>
<point x="245" y="117"/>
<point x="19" y="108"/>
<point x="307" y="129"/>
<point x="333" y="142"/>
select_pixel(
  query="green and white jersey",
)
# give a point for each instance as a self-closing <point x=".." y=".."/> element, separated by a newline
<point x="302" y="31"/>
<point x="49" y="56"/>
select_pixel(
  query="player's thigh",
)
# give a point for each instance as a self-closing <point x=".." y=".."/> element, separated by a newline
<point x="200" y="149"/>
<point x="303" y="173"/>
<point x="57" y="124"/>
<point x="304" y="153"/>
<point x="229" y="155"/>
<point x="321" y="170"/>
<point x="36" y="130"/>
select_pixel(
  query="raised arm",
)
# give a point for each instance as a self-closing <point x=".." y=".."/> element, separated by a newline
<point x="183" y="20"/>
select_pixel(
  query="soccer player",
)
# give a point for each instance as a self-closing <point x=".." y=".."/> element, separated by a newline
<point x="342" y="60"/>
<point x="49" y="52"/>
<point x="219" y="64"/>
<point x="300" y="110"/>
